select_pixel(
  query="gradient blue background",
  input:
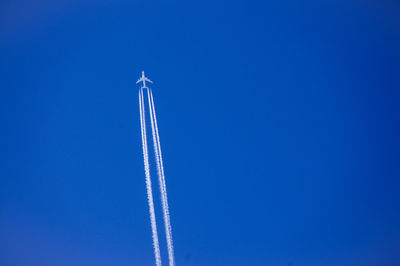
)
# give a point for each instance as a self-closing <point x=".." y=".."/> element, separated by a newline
<point x="279" y="123"/>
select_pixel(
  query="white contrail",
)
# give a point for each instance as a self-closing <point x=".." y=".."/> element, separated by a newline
<point x="156" y="244"/>
<point x="161" y="177"/>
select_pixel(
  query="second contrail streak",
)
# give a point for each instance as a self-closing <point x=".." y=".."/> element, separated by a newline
<point x="161" y="178"/>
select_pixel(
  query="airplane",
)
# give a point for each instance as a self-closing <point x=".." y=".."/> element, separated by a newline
<point x="143" y="79"/>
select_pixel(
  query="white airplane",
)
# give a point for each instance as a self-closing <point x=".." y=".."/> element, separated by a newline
<point x="143" y="79"/>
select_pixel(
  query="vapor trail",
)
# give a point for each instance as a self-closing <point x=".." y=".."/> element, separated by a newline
<point x="161" y="177"/>
<point x="150" y="201"/>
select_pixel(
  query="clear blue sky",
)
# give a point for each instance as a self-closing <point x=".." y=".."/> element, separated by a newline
<point x="279" y="123"/>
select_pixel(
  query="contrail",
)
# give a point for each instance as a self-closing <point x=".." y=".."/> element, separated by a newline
<point x="156" y="244"/>
<point x="161" y="178"/>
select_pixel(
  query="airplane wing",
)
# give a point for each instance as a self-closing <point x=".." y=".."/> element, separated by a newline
<point x="149" y="80"/>
<point x="139" y="80"/>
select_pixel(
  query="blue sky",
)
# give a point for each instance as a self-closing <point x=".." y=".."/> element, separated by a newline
<point x="279" y="125"/>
